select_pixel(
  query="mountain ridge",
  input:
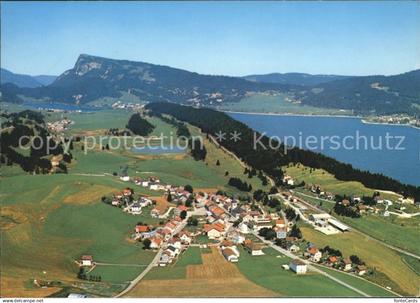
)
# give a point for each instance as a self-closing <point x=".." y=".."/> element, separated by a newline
<point x="23" y="80"/>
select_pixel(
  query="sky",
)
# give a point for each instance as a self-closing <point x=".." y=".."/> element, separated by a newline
<point x="229" y="38"/>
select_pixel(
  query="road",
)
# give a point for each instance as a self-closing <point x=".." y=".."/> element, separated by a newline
<point x="152" y="264"/>
<point x="400" y="250"/>
<point x="310" y="266"/>
<point x="142" y="274"/>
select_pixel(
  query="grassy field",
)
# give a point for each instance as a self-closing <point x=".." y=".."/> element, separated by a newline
<point x="413" y="263"/>
<point x="329" y="183"/>
<point x="267" y="272"/>
<point x="403" y="233"/>
<point x="400" y="232"/>
<point x="192" y="256"/>
<point x="49" y="221"/>
<point x="215" y="277"/>
<point x="361" y="284"/>
<point x="277" y="104"/>
<point x="60" y="217"/>
<point x="398" y="275"/>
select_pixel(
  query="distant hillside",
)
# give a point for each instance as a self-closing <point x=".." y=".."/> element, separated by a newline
<point x="380" y="94"/>
<point x="294" y="78"/>
<point x="45" y="79"/>
<point x="21" y="80"/>
<point x="94" y="77"/>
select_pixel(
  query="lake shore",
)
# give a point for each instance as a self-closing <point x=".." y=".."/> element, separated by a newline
<point x="362" y="119"/>
<point x="292" y="114"/>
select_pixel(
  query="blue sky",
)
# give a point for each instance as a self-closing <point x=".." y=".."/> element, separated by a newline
<point x="231" y="38"/>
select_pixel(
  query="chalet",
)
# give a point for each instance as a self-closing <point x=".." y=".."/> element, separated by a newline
<point x="116" y="202"/>
<point x="347" y="265"/>
<point x="332" y="260"/>
<point x="237" y="238"/>
<point x="171" y="226"/>
<point x="135" y="208"/>
<point x="142" y="228"/>
<point x="155" y="242"/>
<point x="86" y="260"/>
<point x="185" y="237"/>
<point x="298" y="266"/>
<point x="214" y="231"/>
<point x="176" y="242"/>
<point x="149" y="234"/>
<point x="155" y="213"/>
<point x="314" y="254"/>
<point x="293" y="248"/>
<point x="230" y="255"/>
<point x="144" y="202"/>
<point x="288" y="180"/>
<point x="172" y="250"/>
<point x="243" y="228"/>
<point x="280" y="223"/>
<point x="361" y="270"/>
<point x="226" y="244"/>
<point x="165" y="259"/>
<point x="281" y="233"/>
<point x="361" y="208"/>
<point x="127" y="192"/>
<point x="217" y="212"/>
<point x="253" y="248"/>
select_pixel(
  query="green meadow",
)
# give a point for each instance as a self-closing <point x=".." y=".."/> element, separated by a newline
<point x="278" y="104"/>
<point x="267" y="272"/>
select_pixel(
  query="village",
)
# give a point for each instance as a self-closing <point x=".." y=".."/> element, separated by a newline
<point x="205" y="219"/>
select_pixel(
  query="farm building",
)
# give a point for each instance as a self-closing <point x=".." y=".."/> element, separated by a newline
<point x="298" y="266"/>
<point x="230" y="255"/>
<point x="86" y="260"/>
<point x="253" y="248"/>
<point x="337" y="224"/>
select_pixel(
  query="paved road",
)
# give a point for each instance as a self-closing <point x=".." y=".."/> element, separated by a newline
<point x="152" y="264"/>
<point x="310" y="266"/>
<point x="400" y="250"/>
<point x="142" y="274"/>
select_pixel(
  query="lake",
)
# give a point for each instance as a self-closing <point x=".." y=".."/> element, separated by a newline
<point x="350" y="141"/>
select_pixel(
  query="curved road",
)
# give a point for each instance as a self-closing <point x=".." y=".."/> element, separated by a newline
<point x="152" y="264"/>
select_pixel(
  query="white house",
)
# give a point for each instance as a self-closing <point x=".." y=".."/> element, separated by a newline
<point x="315" y="254"/>
<point x="172" y="250"/>
<point x="243" y="228"/>
<point x="135" y="208"/>
<point x="165" y="258"/>
<point x="86" y="260"/>
<point x="347" y="265"/>
<point x="185" y="237"/>
<point x="298" y="266"/>
<point x="293" y="248"/>
<point x="253" y="248"/>
<point x="125" y="178"/>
